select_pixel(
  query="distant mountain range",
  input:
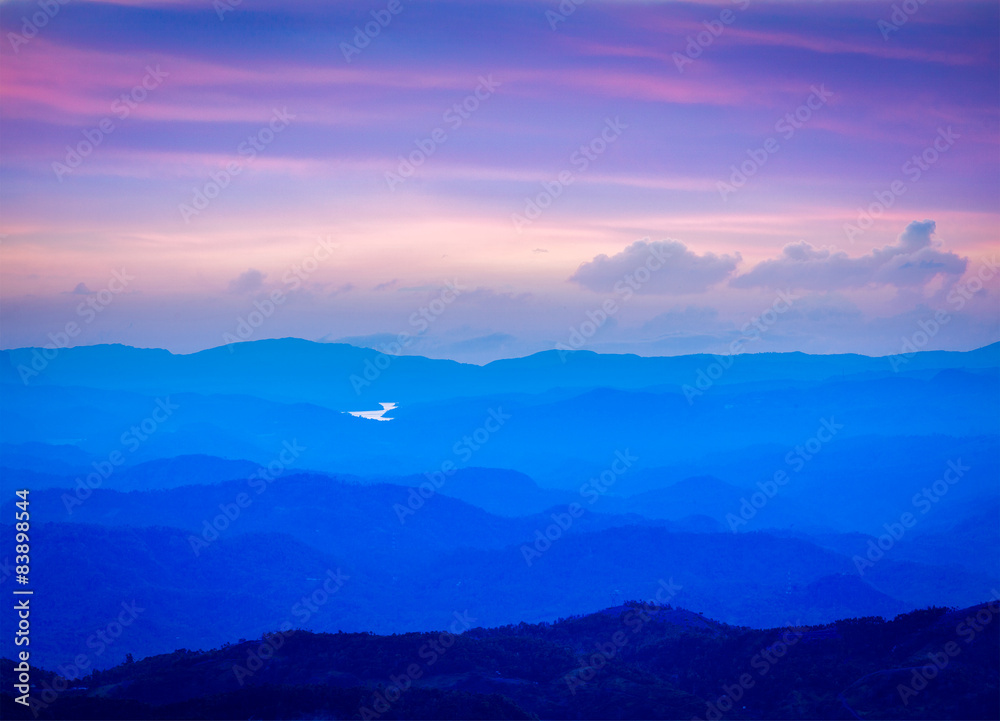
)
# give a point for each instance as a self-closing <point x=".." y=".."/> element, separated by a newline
<point x="561" y="423"/>
<point x="341" y="376"/>
<point x="219" y="491"/>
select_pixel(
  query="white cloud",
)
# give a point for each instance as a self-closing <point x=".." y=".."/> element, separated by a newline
<point x="912" y="261"/>
<point x="682" y="271"/>
<point x="247" y="281"/>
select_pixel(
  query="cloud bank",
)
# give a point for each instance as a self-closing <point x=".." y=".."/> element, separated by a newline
<point x="674" y="270"/>
<point x="912" y="261"/>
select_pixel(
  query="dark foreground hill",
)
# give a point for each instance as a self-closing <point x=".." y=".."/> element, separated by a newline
<point x="637" y="661"/>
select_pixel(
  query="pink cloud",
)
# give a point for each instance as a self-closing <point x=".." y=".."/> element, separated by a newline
<point x="61" y="84"/>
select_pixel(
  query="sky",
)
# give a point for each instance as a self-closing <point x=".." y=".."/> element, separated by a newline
<point x="478" y="180"/>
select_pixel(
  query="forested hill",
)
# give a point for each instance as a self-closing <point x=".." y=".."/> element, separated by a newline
<point x="634" y="661"/>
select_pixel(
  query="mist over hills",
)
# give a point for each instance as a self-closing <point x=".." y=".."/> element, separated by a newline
<point x="555" y="435"/>
<point x="447" y="556"/>
<point x="217" y="492"/>
<point x="290" y="423"/>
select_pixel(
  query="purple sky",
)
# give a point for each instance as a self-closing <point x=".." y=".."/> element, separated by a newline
<point x="266" y="159"/>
